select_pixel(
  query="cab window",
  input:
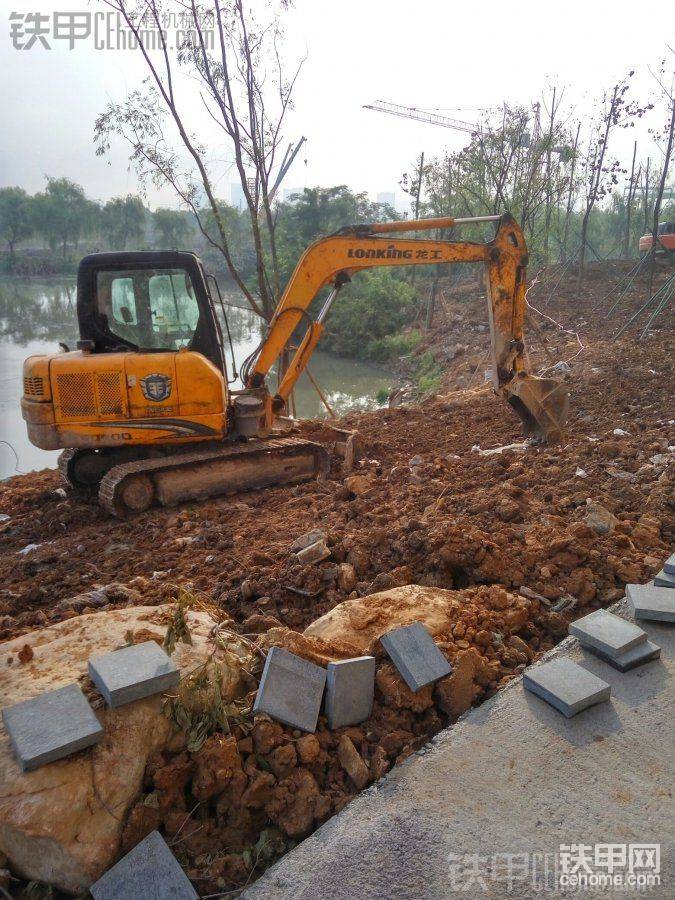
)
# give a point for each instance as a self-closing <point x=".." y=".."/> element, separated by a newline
<point x="149" y="308"/>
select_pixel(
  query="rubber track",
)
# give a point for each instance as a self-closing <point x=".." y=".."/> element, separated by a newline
<point x="63" y="463"/>
<point x="112" y="480"/>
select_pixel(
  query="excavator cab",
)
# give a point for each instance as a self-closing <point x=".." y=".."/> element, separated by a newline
<point x="151" y="302"/>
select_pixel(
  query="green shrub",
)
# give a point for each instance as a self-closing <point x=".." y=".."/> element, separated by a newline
<point x="375" y="306"/>
<point x="428" y="372"/>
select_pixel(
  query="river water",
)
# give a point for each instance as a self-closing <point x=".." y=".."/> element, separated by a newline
<point x="37" y="313"/>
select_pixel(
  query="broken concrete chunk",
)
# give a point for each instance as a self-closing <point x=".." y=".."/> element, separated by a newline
<point x="306" y="540"/>
<point x="607" y="632"/>
<point x="415" y="655"/>
<point x="51" y="726"/>
<point x="663" y="579"/>
<point x="148" y="872"/>
<point x="350" y="686"/>
<point x="669" y="565"/>
<point x="291" y="690"/>
<point x="316" y="552"/>
<point x="352" y="762"/>
<point x="133" y="673"/>
<point x="651" y="602"/>
<point x="639" y="655"/>
<point x="566" y="686"/>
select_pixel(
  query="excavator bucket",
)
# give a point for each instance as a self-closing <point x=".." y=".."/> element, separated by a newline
<point x="542" y="404"/>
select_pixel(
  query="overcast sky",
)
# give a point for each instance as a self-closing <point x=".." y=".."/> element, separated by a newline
<point x="456" y="58"/>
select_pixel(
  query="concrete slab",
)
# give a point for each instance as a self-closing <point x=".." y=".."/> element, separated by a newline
<point x="512" y="777"/>
<point x="568" y="687"/>
<point x="415" y="655"/>
<point x="51" y="726"/>
<point x="148" y="872"/>
<point x="631" y="659"/>
<point x="607" y="632"/>
<point x="669" y="565"/>
<point x="133" y="673"/>
<point x="291" y="690"/>
<point x="651" y="602"/>
<point x="350" y="685"/>
<point x="663" y="579"/>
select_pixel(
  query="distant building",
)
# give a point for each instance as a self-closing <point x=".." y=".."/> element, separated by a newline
<point x="237" y="198"/>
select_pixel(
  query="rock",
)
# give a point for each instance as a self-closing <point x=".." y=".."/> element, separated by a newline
<point x="456" y="692"/>
<point x="346" y="577"/>
<point x="357" y="484"/>
<point x="362" y="621"/>
<point x="415" y="461"/>
<point x="306" y="540"/>
<point x="352" y="762"/>
<point x="599" y="519"/>
<point x="314" y="553"/>
<point x="308" y="748"/>
<point x="217" y="762"/>
<point x="62" y="824"/>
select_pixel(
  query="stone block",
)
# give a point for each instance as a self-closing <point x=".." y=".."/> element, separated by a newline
<point x="630" y="659"/>
<point x="133" y="673"/>
<point x="663" y="579"/>
<point x="607" y="632"/>
<point x="415" y="655"/>
<point x="315" y="553"/>
<point x="350" y="685"/>
<point x="669" y="565"/>
<point x="291" y="690"/>
<point x="651" y="602"/>
<point x="148" y="872"/>
<point x="51" y="726"/>
<point x="566" y="686"/>
<point x="306" y="540"/>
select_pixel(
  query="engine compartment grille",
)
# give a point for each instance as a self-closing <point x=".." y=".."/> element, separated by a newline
<point x="33" y="387"/>
<point x="76" y="394"/>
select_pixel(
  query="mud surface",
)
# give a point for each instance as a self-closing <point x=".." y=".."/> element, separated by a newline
<point x="541" y="535"/>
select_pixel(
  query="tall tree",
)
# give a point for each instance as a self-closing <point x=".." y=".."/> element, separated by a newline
<point x="246" y="91"/>
<point x="171" y="228"/>
<point x="16" y="217"/>
<point x="63" y="214"/>
<point x="123" y="221"/>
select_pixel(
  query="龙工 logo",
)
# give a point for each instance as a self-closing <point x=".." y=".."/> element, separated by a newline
<point x="156" y="387"/>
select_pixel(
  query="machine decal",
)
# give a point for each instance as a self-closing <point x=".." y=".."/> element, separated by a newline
<point x="177" y="426"/>
<point x="156" y="387"/>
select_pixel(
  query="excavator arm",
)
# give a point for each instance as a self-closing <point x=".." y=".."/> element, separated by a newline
<point x="541" y="403"/>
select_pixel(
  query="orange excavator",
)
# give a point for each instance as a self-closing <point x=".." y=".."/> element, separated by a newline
<point x="143" y="407"/>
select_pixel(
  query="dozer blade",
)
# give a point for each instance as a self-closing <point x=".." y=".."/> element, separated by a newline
<point x="133" y="487"/>
<point x="542" y="404"/>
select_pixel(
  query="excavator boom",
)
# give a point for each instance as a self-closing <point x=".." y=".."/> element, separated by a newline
<point x="541" y="403"/>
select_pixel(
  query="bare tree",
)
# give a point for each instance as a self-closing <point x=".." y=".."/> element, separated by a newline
<point x="669" y="94"/>
<point x="633" y="182"/>
<point x="243" y="87"/>
<point x="600" y="176"/>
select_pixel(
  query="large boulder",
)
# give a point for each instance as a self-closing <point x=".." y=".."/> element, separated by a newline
<point x="362" y="621"/>
<point x="62" y="823"/>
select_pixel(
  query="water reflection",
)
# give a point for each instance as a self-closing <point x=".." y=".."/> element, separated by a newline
<point x="37" y="314"/>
